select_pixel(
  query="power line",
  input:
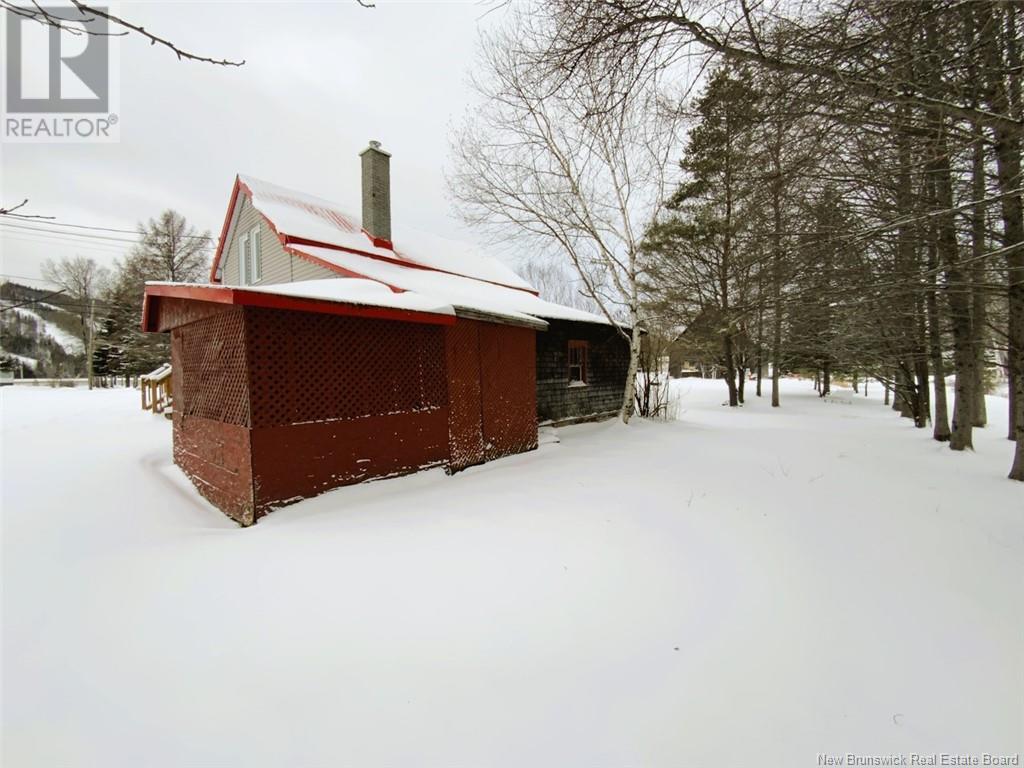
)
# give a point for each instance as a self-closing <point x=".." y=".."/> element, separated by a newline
<point x="46" y="240"/>
<point x="27" y="277"/>
<point x="100" y="229"/>
<point x="32" y="301"/>
<point x="51" y="232"/>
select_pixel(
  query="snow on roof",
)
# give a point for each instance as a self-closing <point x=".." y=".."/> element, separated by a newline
<point x="357" y="291"/>
<point x="313" y="218"/>
<point x="458" y="291"/>
<point x="369" y="293"/>
<point x="157" y="374"/>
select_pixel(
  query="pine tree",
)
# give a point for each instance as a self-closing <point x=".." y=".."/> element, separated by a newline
<point x="699" y="259"/>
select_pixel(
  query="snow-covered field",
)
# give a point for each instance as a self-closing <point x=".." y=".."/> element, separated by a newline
<point x="736" y="588"/>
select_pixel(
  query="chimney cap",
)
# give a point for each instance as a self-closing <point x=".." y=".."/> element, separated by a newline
<point x="374" y="146"/>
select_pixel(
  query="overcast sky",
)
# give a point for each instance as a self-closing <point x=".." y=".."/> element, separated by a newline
<point x="320" y="80"/>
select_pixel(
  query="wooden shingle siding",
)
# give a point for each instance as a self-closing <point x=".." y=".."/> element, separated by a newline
<point x="278" y="265"/>
<point x="607" y="364"/>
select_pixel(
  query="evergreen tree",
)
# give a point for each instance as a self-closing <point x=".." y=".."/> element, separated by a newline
<point x="170" y="250"/>
<point x="700" y="262"/>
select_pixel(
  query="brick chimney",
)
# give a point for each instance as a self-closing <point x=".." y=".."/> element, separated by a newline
<point x="377" y="193"/>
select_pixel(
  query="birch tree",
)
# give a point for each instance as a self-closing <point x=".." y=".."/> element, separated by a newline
<point x="568" y="171"/>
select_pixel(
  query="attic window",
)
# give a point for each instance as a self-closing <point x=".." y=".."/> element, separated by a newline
<point x="577" y="363"/>
<point x="250" y="257"/>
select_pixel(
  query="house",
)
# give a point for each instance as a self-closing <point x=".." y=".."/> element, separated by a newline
<point x="323" y="352"/>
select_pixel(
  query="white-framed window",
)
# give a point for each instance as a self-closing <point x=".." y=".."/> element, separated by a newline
<point x="243" y="259"/>
<point x="577" y="363"/>
<point x="255" y="255"/>
<point x="250" y="257"/>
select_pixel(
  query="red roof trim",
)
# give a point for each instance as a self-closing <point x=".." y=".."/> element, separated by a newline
<point x="222" y="242"/>
<point x="397" y="261"/>
<point x="242" y="297"/>
<point x="379" y="242"/>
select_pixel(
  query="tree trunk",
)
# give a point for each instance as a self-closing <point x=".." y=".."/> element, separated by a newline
<point x="90" y="335"/>
<point x="940" y="429"/>
<point x="904" y="390"/>
<point x="924" y="409"/>
<point x="979" y="308"/>
<point x="1007" y="152"/>
<point x="1011" y="430"/>
<point x="634" y="362"/>
<point x="730" y="369"/>
<point x="760" y="329"/>
<point x="905" y="400"/>
<point x="956" y="296"/>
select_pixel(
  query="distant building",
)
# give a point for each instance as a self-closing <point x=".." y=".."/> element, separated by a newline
<point x="322" y="353"/>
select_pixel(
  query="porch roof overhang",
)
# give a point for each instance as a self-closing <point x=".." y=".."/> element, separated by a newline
<point x="402" y="307"/>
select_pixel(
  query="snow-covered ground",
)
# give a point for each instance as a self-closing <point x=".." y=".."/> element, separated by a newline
<point x="736" y="588"/>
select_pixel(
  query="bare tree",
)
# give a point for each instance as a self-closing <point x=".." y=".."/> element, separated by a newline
<point x="85" y="19"/>
<point x="171" y="249"/>
<point x="569" y="172"/>
<point x="79" y="18"/>
<point x="10" y="211"/>
<point x="830" y="41"/>
<point x="557" y="282"/>
<point x="82" y="280"/>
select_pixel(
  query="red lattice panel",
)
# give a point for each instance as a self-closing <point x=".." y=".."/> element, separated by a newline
<point x="308" y="367"/>
<point x="211" y="355"/>
<point x="465" y="427"/>
<point x="492" y="386"/>
<point x="509" y="389"/>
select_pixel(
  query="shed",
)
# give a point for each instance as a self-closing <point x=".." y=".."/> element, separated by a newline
<point x="283" y="394"/>
<point x="324" y="353"/>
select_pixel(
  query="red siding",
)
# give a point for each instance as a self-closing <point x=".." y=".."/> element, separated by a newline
<point x="214" y="454"/>
<point x="217" y="459"/>
<point x="492" y="385"/>
<point x="465" y="427"/>
<point x="272" y="406"/>
<point x="302" y="460"/>
<point x="509" y="389"/>
<point x="338" y="400"/>
<point x="173" y="313"/>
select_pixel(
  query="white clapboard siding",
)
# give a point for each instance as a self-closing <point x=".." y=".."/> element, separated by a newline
<point x="278" y="266"/>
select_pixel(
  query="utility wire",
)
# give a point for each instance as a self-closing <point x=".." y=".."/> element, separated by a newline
<point x="47" y="241"/>
<point x="32" y="301"/>
<point x="85" y="235"/>
<point x="98" y="229"/>
<point x="26" y="277"/>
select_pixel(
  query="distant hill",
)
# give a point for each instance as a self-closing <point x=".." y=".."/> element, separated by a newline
<point x="39" y="338"/>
